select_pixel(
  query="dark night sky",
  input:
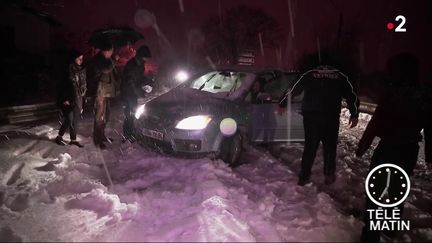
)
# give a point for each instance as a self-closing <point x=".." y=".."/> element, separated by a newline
<point x="364" y="22"/>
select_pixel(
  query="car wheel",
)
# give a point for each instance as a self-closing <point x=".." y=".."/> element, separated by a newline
<point x="231" y="150"/>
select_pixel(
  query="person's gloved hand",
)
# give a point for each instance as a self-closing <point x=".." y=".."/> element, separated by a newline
<point x="147" y="88"/>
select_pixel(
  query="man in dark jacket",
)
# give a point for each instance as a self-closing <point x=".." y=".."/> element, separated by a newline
<point x="428" y="143"/>
<point x="324" y="87"/>
<point x="427" y="109"/>
<point x="107" y="79"/>
<point x="135" y="84"/>
<point x="398" y="121"/>
<point x="70" y="98"/>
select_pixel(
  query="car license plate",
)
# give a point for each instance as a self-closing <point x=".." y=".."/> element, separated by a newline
<point x="153" y="134"/>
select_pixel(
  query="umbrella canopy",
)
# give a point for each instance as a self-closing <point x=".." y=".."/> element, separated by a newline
<point x="115" y="37"/>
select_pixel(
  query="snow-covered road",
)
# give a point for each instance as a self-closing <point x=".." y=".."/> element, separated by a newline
<point x="54" y="193"/>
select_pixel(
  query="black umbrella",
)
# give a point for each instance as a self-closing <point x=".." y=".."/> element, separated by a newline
<point x="116" y="37"/>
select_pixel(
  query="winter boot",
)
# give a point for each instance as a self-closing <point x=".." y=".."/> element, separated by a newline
<point x="59" y="140"/>
<point x="303" y="181"/>
<point x="75" y="142"/>
<point x="102" y="146"/>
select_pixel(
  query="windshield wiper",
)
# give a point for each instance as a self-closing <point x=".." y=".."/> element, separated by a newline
<point x="233" y="88"/>
<point x="202" y="85"/>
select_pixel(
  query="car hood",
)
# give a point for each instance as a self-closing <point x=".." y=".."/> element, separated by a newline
<point x="180" y="103"/>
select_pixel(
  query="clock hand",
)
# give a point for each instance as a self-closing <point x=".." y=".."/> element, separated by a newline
<point x="388" y="179"/>
<point x="387" y="185"/>
<point x="384" y="192"/>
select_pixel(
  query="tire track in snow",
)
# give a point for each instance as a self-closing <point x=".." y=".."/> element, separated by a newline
<point x="13" y="174"/>
<point x="26" y="148"/>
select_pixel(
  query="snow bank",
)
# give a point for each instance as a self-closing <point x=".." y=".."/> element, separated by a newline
<point x="54" y="193"/>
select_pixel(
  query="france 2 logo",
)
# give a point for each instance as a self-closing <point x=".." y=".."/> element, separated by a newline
<point x="401" y="20"/>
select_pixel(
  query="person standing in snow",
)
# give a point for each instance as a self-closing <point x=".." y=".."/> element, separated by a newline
<point x="398" y="121"/>
<point x="428" y="144"/>
<point x="427" y="109"/>
<point x="324" y="87"/>
<point x="70" y="98"/>
<point x="108" y="83"/>
<point x="135" y="84"/>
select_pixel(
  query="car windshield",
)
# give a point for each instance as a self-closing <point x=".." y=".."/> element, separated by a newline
<point x="218" y="82"/>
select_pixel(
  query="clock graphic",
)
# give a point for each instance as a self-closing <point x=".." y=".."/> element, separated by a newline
<point x="387" y="185"/>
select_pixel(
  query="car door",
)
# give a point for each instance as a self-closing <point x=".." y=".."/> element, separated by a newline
<point x="267" y="124"/>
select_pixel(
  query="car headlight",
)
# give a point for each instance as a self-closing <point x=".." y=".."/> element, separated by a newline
<point x="139" y="111"/>
<point x="181" y="76"/>
<point x="194" y="122"/>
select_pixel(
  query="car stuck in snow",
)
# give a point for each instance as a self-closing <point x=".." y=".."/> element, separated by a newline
<point x="216" y="112"/>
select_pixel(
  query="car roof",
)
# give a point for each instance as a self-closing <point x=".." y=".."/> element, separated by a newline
<point x="249" y="69"/>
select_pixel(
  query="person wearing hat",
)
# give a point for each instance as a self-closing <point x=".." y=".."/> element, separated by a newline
<point x="70" y="98"/>
<point x="135" y="84"/>
<point x="107" y="82"/>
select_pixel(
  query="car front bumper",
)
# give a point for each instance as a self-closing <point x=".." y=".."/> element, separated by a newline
<point x="203" y="141"/>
